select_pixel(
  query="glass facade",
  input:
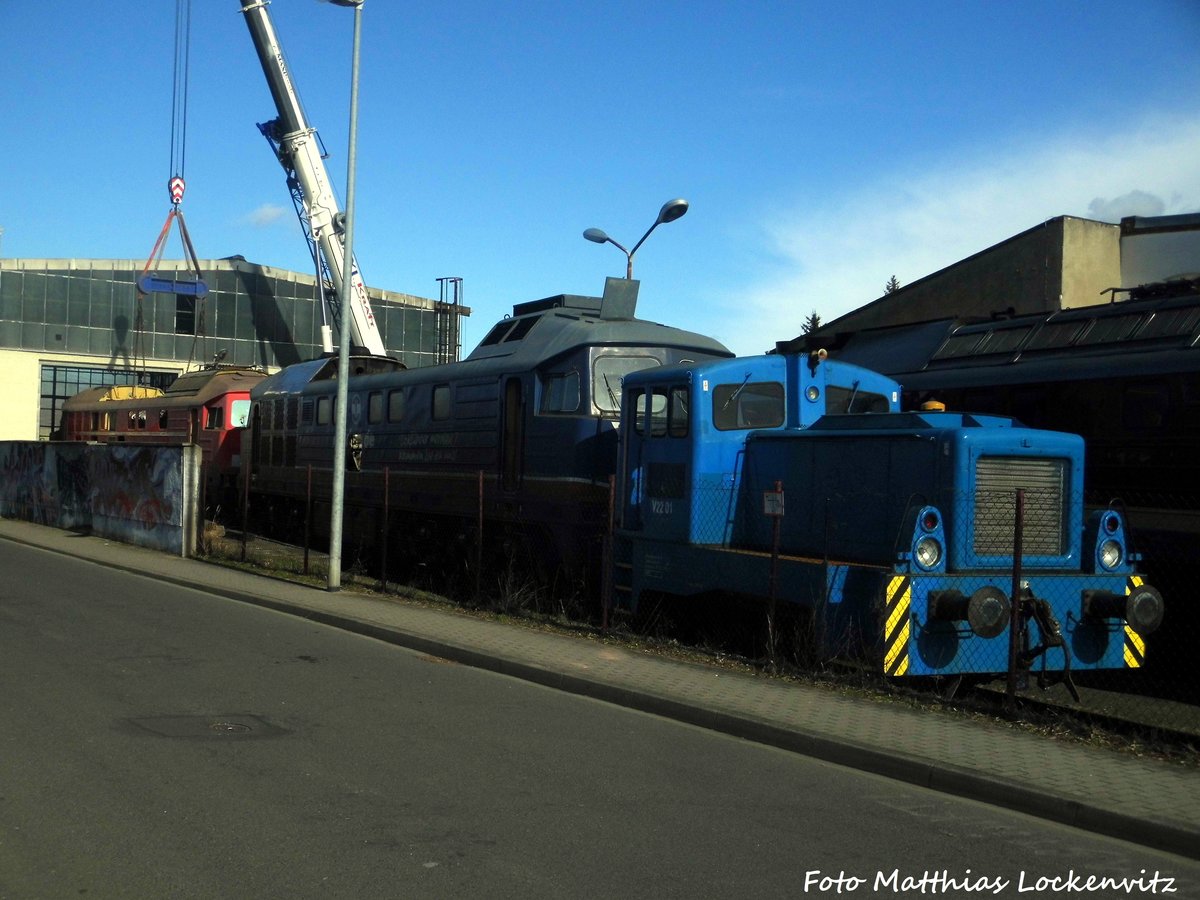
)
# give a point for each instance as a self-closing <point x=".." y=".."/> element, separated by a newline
<point x="257" y="315"/>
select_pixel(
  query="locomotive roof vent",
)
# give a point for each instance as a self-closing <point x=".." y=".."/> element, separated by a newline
<point x="619" y="301"/>
<point x="559" y="301"/>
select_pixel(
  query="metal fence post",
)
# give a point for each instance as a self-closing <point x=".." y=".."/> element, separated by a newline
<point x="1015" y="613"/>
<point x="383" y="538"/>
<point x="307" y="516"/>
<point x="245" y="508"/>
<point x="774" y="586"/>
<point x="479" y="540"/>
<point x="606" y="556"/>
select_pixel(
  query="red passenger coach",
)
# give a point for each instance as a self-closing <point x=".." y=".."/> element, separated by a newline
<point x="208" y="407"/>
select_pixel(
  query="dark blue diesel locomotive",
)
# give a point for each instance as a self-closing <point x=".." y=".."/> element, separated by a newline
<point x="522" y="433"/>
<point x="796" y="478"/>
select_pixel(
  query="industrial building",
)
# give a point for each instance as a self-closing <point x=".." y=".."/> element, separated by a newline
<point x="71" y="324"/>
<point x="1063" y="263"/>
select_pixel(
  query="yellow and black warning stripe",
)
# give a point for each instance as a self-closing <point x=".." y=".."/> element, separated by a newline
<point x="1135" y="644"/>
<point x="897" y="626"/>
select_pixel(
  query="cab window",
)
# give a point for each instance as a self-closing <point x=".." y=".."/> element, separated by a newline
<point x="650" y="411"/>
<point x="677" y="412"/>
<point x="608" y="374"/>
<point x="852" y="400"/>
<point x="239" y="413"/>
<point x="748" y="405"/>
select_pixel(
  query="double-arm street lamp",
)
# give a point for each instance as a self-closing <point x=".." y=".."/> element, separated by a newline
<point x="670" y="211"/>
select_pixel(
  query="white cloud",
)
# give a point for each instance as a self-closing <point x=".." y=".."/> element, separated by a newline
<point x="266" y="215"/>
<point x="1135" y="203"/>
<point x="837" y="255"/>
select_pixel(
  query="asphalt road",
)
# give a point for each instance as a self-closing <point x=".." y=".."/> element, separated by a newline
<point x="160" y="742"/>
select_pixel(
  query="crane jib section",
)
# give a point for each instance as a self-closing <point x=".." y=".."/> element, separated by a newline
<point x="300" y="153"/>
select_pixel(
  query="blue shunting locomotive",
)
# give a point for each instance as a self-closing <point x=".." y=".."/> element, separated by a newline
<point x="898" y="529"/>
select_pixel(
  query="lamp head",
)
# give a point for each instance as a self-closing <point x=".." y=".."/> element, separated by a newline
<point x="672" y="210"/>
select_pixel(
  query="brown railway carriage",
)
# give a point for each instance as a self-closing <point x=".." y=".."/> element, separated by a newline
<point x="209" y="407"/>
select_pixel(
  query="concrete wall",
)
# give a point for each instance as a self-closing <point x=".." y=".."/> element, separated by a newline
<point x="136" y="494"/>
<point x="19" y="377"/>
<point x="1062" y="263"/>
<point x="1091" y="262"/>
<point x="20" y="381"/>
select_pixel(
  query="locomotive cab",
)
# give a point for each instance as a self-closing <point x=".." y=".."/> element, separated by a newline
<point x="685" y="431"/>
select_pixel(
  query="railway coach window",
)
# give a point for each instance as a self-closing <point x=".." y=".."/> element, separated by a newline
<point x="748" y="405"/>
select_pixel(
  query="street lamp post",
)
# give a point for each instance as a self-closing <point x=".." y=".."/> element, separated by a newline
<point x="338" y="492"/>
<point x="671" y="210"/>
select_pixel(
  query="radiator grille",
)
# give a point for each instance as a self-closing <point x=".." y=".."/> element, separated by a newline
<point x="997" y="480"/>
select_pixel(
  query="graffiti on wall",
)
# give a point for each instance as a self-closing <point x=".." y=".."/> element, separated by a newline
<point x="141" y="485"/>
<point x="45" y="483"/>
<point x="131" y="493"/>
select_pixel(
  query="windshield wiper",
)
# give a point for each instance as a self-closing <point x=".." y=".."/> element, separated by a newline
<point x="611" y="396"/>
<point x="734" y="395"/>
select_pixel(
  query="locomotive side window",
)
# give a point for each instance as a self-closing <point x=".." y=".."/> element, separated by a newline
<point x="1144" y="406"/>
<point x="162" y="418"/>
<point x="324" y="410"/>
<point x="441" y="402"/>
<point x="216" y="417"/>
<point x="395" y="406"/>
<point x="560" y="393"/>
<point x="375" y="407"/>
<point x="748" y="405"/>
<point x="608" y="373"/>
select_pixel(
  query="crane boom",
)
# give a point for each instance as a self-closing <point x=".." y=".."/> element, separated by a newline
<point x="298" y="149"/>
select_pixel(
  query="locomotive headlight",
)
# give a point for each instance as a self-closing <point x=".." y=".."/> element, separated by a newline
<point x="928" y="553"/>
<point x="1110" y="554"/>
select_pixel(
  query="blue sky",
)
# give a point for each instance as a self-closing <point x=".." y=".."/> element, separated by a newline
<point x="823" y="147"/>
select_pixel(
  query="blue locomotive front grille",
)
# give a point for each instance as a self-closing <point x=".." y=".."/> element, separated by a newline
<point x="997" y="480"/>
